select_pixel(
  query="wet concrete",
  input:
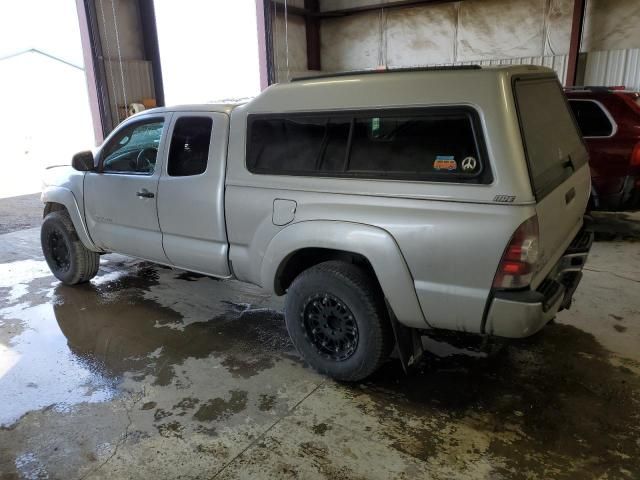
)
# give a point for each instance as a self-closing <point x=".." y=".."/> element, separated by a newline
<point x="18" y="213"/>
<point x="151" y="372"/>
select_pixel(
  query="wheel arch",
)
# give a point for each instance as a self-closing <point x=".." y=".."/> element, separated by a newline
<point x="305" y="258"/>
<point x="60" y="198"/>
<point x="304" y="244"/>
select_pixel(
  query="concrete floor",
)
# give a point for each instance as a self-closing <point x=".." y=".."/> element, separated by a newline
<point x="149" y="372"/>
<point x="18" y="213"/>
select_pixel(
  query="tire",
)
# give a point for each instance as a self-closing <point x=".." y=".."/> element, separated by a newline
<point x="69" y="260"/>
<point x="337" y="305"/>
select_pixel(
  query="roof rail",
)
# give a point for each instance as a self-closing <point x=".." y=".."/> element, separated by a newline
<point x="596" y="88"/>
<point x="387" y="70"/>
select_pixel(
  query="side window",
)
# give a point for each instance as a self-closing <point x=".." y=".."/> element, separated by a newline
<point x="298" y="145"/>
<point x="189" y="149"/>
<point x="439" y="146"/>
<point x="134" y="149"/>
<point x="430" y="144"/>
<point x="591" y="118"/>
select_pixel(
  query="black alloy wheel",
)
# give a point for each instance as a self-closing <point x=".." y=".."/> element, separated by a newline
<point x="330" y="326"/>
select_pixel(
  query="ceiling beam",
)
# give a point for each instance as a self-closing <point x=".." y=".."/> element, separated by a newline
<point x="308" y="12"/>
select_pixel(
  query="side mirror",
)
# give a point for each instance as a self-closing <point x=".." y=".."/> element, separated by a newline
<point x="83" y="161"/>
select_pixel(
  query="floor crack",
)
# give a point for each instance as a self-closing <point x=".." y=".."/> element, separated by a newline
<point x="263" y="434"/>
<point x="123" y="438"/>
<point x="612" y="273"/>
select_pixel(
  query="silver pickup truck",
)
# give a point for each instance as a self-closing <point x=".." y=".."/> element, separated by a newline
<point x="380" y="203"/>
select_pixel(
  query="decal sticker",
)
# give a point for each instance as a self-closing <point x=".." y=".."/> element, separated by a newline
<point x="445" y="162"/>
<point x="469" y="164"/>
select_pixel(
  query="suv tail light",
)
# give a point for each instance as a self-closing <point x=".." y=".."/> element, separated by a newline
<point x="635" y="156"/>
<point x="519" y="258"/>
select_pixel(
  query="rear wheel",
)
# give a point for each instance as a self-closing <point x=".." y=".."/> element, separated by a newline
<point x="336" y="317"/>
<point x="69" y="260"/>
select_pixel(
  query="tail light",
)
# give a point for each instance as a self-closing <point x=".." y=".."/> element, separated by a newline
<point x="519" y="258"/>
<point x="635" y="156"/>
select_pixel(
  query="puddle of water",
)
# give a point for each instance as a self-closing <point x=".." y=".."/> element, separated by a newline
<point x="16" y="276"/>
<point x="77" y="344"/>
<point x="43" y="371"/>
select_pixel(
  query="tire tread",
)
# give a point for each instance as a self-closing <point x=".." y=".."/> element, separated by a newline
<point x="373" y="299"/>
<point x="87" y="261"/>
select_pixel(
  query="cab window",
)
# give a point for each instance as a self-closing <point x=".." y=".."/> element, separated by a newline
<point x="134" y="149"/>
<point x="190" y="146"/>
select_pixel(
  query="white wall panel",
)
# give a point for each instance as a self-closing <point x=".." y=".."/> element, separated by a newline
<point x="614" y="67"/>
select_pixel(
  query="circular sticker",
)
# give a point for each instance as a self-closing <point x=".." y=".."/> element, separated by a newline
<point x="469" y="164"/>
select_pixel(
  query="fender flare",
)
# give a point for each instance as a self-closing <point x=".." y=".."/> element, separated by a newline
<point x="65" y="197"/>
<point x="374" y="243"/>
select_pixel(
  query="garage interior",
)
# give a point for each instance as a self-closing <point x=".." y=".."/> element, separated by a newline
<point x="151" y="372"/>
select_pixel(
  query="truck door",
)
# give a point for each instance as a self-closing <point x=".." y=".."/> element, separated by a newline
<point x="191" y="193"/>
<point x="120" y="197"/>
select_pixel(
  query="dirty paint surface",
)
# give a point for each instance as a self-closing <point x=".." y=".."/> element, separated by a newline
<point x="175" y="375"/>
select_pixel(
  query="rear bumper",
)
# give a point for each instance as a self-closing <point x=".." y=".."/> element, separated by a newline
<point x="523" y="313"/>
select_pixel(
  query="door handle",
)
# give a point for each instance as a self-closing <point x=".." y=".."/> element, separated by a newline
<point x="144" y="193"/>
<point x="570" y="195"/>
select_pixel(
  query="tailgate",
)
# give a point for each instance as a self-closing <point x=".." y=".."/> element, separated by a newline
<point x="557" y="162"/>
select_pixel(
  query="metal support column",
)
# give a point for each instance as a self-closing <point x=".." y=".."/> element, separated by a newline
<point x="151" y="48"/>
<point x="265" y="47"/>
<point x="312" y="28"/>
<point x="94" y="69"/>
<point x="574" y="45"/>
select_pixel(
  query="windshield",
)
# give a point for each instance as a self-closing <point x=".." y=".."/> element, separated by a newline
<point x="552" y="142"/>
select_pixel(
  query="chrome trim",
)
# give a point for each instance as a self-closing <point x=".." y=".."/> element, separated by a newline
<point x="566" y="264"/>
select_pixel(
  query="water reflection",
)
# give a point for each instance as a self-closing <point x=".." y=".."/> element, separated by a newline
<point x="114" y="326"/>
<point x="77" y="344"/>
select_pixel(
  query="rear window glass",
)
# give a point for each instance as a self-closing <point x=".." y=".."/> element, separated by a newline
<point x="433" y="144"/>
<point x="551" y="138"/>
<point x="591" y="118"/>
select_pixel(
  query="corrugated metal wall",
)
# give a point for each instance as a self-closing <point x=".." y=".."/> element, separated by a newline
<point x="608" y="68"/>
<point x="614" y="67"/>
<point x="486" y="32"/>
<point x="138" y="80"/>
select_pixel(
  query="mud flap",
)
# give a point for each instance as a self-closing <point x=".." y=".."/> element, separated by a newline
<point x="408" y="343"/>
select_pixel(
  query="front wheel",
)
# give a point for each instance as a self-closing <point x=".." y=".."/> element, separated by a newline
<point x="336" y="317"/>
<point x="69" y="260"/>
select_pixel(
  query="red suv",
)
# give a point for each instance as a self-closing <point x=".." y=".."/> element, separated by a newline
<point x="609" y="118"/>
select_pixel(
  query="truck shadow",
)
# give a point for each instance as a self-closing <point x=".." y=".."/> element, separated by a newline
<point x="555" y="402"/>
<point x="609" y="226"/>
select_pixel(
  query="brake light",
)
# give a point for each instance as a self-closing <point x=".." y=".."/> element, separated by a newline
<point x="519" y="258"/>
<point x="635" y="156"/>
